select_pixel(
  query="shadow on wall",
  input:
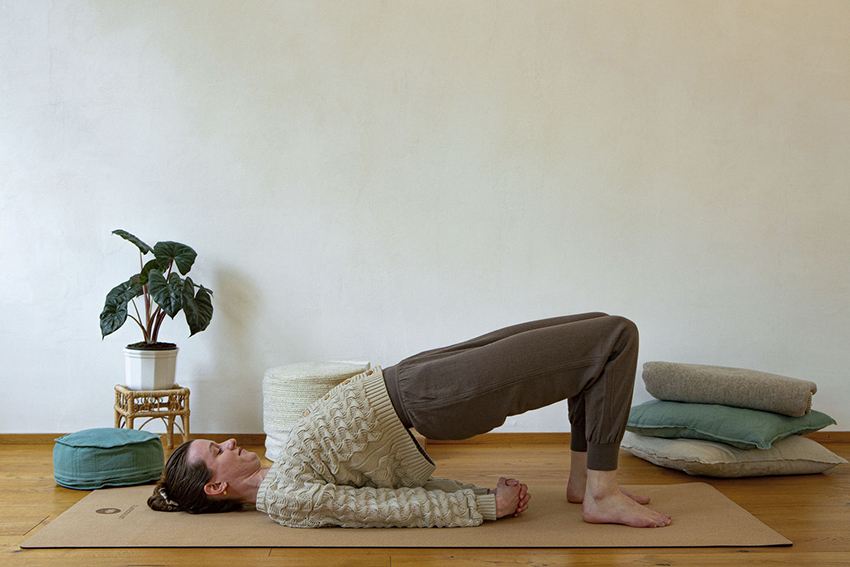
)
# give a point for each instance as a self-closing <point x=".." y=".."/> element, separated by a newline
<point x="249" y="333"/>
<point x="237" y="307"/>
<point x="227" y="394"/>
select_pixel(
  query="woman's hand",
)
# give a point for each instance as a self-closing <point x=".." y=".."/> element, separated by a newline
<point x="511" y="497"/>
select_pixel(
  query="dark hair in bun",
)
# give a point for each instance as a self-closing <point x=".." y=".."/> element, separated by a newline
<point x="181" y="487"/>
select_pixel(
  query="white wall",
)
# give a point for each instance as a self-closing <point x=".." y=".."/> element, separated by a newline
<point x="371" y="179"/>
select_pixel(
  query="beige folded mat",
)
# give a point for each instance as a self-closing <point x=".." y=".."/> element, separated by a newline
<point x="736" y="387"/>
<point x="118" y="517"/>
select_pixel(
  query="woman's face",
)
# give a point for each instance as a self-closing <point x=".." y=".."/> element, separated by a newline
<point x="228" y="462"/>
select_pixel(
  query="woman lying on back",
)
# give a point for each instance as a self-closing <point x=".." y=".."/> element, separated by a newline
<point x="351" y="461"/>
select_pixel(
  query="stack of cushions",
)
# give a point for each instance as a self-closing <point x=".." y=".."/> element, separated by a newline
<point x="287" y="390"/>
<point x="101" y="458"/>
<point x="727" y="422"/>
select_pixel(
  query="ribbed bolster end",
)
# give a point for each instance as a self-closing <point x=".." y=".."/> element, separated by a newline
<point x="486" y="504"/>
<point x="379" y="401"/>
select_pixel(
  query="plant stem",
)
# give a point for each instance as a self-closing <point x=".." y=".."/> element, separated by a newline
<point x="160" y="316"/>
<point x="147" y="295"/>
<point x="152" y="324"/>
<point x="139" y="323"/>
<point x="138" y="320"/>
<point x="147" y="326"/>
<point x="155" y="320"/>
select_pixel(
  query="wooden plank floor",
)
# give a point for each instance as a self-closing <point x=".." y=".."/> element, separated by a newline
<point x="813" y="511"/>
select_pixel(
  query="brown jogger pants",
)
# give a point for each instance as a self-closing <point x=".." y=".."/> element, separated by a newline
<point x="470" y="388"/>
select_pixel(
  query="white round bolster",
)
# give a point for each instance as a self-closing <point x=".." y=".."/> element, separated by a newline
<point x="287" y="390"/>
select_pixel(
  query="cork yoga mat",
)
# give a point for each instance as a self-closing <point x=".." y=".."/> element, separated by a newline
<point x="119" y="517"/>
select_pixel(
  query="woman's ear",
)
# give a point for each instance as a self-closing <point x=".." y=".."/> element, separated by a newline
<point x="215" y="488"/>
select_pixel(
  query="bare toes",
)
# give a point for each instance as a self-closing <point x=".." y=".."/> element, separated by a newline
<point x="635" y="497"/>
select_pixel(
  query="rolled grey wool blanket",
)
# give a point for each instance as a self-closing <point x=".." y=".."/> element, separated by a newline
<point x="736" y="387"/>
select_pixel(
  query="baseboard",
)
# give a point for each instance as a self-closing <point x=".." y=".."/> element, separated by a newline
<point x="29" y="438"/>
<point x="248" y="439"/>
<point x="509" y="438"/>
<point x="49" y="438"/>
<point x="830" y="436"/>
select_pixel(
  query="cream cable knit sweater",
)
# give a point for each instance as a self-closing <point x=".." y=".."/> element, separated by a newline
<point x="350" y="462"/>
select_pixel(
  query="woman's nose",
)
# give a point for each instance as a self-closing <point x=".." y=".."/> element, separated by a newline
<point x="231" y="443"/>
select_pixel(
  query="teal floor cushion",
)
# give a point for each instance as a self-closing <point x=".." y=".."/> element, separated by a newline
<point x="99" y="458"/>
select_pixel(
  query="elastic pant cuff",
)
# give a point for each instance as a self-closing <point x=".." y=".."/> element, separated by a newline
<point x="603" y="457"/>
<point x="578" y="443"/>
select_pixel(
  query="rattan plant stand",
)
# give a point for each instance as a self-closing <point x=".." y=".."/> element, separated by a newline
<point x="153" y="404"/>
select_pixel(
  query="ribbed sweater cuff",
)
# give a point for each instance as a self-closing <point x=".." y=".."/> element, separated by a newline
<point x="486" y="504"/>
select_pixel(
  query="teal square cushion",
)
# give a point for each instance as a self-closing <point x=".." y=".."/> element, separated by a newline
<point x="739" y="427"/>
<point x="99" y="458"/>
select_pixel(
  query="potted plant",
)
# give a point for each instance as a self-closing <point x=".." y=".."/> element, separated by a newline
<point x="150" y="364"/>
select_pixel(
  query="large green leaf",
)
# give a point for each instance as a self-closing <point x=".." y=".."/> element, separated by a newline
<point x="182" y="255"/>
<point x="166" y="294"/>
<point x="144" y="248"/>
<point x="151" y="266"/>
<point x="197" y="307"/>
<point x="115" y="309"/>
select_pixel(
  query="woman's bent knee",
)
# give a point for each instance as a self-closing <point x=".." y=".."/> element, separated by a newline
<point x="627" y="326"/>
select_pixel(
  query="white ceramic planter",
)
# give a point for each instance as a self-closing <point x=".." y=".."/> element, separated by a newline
<point x="150" y="369"/>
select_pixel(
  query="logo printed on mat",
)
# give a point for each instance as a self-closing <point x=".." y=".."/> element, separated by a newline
<point x="107" y="510"/>
<point x="130" y="509"/>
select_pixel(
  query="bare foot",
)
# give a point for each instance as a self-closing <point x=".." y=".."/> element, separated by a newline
<point x="575" y="493"/>
<point x="578" y="480"/>
<point x="605" y="502"/>
<point x="618" y="508"/>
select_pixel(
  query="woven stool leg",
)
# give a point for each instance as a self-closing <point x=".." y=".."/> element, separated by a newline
<point x="185" y="420"/>
<point x="169" y="435"/>
<point x="131" y="412"/>
<point x="115" y="409"/>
